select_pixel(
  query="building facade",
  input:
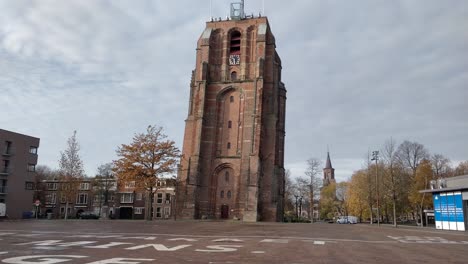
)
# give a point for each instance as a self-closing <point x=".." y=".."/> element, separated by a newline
<point x="17" y="173"/>
<point x="450" y="198"/>
<point x="233" y="150"/>
<point x="106" y="198"/>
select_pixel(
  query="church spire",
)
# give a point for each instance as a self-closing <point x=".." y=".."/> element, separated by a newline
<point x="328" y="164"/>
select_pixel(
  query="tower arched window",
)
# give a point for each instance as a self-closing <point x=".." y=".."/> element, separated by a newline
<point x="226" y="176"/>
<point x="231" y="99"/>
<point x="229" y="145"/>
<point x="229" y="124"/>
<point x="222" y="194"/>
<point x="233" y="76"/>
<point x="229" y="194"/>
<point x="235" y="48"/>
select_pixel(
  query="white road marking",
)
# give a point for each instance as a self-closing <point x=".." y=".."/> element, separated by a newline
<point x="3" y="253"/>
<point x="6" y="234"/>
<point x="28" y="235"/>
<point x="183" y="239"/>
<point x="257" y="252"/>
<point x="319" y="242"/>
<point x="120" y="261"/>
<point x="283" y="241"/>
<point x="228" y="240"/>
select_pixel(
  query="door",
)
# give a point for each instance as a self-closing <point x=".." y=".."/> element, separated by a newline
<point x="224" y="211"/>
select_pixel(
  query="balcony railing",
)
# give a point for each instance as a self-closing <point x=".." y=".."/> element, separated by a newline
<point x="5" y="171"/>
<point x="3" y="189"/>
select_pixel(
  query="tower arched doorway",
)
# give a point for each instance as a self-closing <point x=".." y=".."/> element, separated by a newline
<point x="225" y="193"/>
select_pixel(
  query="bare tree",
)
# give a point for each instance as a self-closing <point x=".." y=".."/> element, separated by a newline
<point x="102" y="184"/>
<point x="288" y="193"/>
<point x="461" y="169"/>
<point x="70" y="171"/>
<point x="149" y="157"/>
<point x="392" y="181"/>
<point x="440" y="166"/>
<point x="313" y="171"/>
<point x="410" y="154"/>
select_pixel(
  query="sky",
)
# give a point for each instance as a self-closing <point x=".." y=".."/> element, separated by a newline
<point x="357" y="73"/>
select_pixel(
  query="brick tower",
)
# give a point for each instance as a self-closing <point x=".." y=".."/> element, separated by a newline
<point x="233" y="150"/>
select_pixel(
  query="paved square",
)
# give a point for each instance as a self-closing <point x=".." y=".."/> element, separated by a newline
<point x="94" y="241"/>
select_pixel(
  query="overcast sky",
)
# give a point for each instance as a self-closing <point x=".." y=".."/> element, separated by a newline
<point x="357" y="73"/>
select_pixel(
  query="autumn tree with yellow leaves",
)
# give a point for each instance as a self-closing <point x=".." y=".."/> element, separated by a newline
<point x="148" y="158"/>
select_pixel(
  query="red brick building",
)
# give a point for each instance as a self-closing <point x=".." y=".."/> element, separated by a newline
<point x="233" y="151"/>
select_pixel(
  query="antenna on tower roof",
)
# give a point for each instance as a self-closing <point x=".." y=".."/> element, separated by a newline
<point x="237" y="10"/>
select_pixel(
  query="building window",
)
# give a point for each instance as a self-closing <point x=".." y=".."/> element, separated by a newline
<point x="168" y="198"/>
<point x="63" y="198"/>
<point x="8" y="147"/>
<point x="29" y="186"/>
<point x="31" y="167"/>
<point x="159" y="199"/>
<point x="158" y="212"/>
<point x="33" y="150"/>
<point x="126" y="198"/>
<point x="51" y="198"/>
<point x="98" y="198"/>
<point x="226" y="176"/>
<point x="84" y="186"/>
<point x="231" y="99"/>
<point x="139" y="196"/>
<point x="229" y="145"/>
<point x="52" y="186"/>
<point x="229" y="124"/>
<point x="139" y="210"/>
<point x="233" y="76"/>
<point x="6" y="166"/>
<point x="229" y="195"/>
<point x="82" y="198"/>
<point x="235" y="43"/>
<point x="222" y="194"/>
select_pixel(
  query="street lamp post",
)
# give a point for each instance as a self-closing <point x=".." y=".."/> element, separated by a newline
<point x="375" y="156"/>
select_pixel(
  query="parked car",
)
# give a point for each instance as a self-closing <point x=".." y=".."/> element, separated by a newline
<point x="88" y="215"/>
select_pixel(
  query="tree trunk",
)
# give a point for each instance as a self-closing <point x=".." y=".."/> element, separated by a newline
<point x="148" y="205"/>
<point x="66" y="210"/>
<point x="394" y="212"/>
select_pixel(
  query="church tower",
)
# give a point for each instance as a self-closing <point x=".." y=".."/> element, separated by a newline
<point x="233" y="152"/>
<point x="328" y="172"/>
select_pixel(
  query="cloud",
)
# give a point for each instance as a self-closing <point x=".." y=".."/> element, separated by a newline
<point x="357" y="73"/>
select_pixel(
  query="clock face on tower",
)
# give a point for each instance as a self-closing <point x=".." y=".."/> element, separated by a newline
<point x="234" y="59"/>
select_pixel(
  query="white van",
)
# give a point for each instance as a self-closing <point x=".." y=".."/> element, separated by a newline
<point x="348" y="219"/>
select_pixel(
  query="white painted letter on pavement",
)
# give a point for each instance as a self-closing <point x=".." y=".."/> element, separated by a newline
<point x="220" y="248"/>
<point x="42" y="259"/>
<point x="158" y="247"/>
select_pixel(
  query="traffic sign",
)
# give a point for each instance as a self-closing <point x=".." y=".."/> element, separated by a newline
<point x="37" y="202"/>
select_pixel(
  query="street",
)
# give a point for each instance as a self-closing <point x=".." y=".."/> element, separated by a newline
<point x="95" y="241"/>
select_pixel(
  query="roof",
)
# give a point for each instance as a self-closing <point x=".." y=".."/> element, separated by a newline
<point x="328" y="164"/>
<point x="457" y="183"/>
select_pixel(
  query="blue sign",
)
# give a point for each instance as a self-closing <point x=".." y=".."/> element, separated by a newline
<point x="448" y="211"/>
